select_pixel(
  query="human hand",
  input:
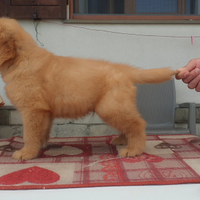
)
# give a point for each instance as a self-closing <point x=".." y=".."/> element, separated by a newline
<point x="190" y="74"/>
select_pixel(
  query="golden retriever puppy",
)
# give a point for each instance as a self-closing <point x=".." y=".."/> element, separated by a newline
<point x="43" y="86"/>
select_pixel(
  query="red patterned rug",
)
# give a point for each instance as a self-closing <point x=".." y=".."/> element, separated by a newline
<point x="93" y="161"/>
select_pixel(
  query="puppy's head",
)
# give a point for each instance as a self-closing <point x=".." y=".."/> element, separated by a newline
<point x="7" y="39"/>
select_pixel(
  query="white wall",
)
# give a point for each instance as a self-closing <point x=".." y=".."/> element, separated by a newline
<point x="141" y="51"/>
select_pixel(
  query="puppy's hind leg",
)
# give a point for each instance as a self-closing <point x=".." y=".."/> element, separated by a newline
<point x="136" y="138"/>
<point x="123" y="116"/>
<point x="120" y="140"/>
<point x="36" y="125"/>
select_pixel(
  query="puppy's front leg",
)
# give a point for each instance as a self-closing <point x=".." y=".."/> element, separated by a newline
<point x="36" y="123"/>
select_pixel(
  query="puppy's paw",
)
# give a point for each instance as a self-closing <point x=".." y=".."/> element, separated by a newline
<point x="24" y="155"/>
<point x="120" y="140"/>
<point x="130" y="152"/>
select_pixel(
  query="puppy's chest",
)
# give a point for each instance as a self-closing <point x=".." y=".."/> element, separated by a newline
<point x="17" y="93"/>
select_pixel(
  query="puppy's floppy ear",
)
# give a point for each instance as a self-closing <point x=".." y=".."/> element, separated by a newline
<point x="7" y="47"/>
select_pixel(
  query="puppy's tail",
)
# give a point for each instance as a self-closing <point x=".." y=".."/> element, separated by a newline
<point x="157" y="75"/>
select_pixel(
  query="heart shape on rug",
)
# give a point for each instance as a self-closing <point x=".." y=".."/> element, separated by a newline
<point x="65" y="150"/>
<point x="34" y="174"/>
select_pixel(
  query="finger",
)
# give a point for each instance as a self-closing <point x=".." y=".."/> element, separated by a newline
<point x="181" y="74"/>
<point x="192" y="75"/>
<point x="191" y="65"/>
<point x="198" y="87"/>
<point x="194" y="83"/>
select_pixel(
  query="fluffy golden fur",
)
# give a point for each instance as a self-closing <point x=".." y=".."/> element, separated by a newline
<point x="43" y="86"/>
